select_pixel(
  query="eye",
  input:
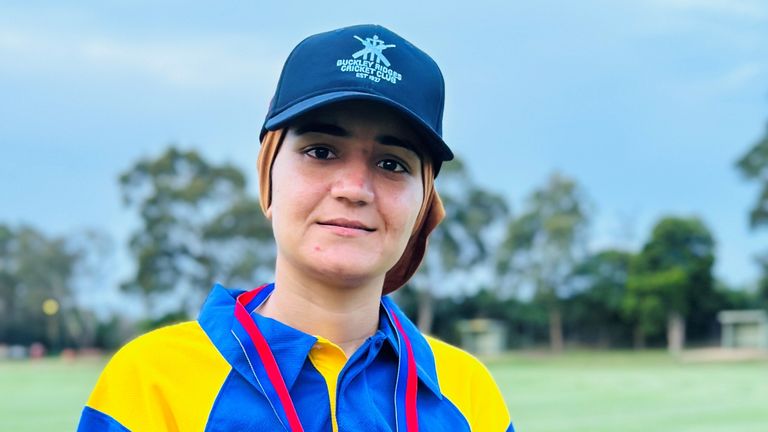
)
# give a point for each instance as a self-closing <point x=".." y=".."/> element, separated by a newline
<point x="392" y="165"/>
<point x="322" y="153"/>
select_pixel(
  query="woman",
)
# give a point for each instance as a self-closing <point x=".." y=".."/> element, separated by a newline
<point x="350" y="148"/>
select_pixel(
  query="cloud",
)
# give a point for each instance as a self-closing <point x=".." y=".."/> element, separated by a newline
<point x="712" y="86"/>
<point x="193" y="63"/>
<point x="739" y="77"/>
<point x="751" y="9"/>
<point x="732" y="80"/>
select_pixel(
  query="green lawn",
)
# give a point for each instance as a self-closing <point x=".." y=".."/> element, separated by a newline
<point x="584" y="391"/>
<point x="45" y="395"/>
<point x="627" y="392"/>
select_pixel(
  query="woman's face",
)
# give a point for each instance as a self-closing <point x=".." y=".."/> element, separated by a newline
<point x="346" y="192"/>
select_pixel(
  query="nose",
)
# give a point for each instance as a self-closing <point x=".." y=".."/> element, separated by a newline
<point x="353" y="183"/>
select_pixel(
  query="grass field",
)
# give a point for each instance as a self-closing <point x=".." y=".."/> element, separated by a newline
<point x="628" y="392"/>
<point x="583" y="391"/>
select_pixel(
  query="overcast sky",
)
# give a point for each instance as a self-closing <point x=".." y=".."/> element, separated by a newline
<point x="646" y="103"/>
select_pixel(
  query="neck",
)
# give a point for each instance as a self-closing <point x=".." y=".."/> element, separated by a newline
<point x="345" y="315"/>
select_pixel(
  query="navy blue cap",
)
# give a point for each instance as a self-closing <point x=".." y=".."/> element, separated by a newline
<point x="363" y="62"/>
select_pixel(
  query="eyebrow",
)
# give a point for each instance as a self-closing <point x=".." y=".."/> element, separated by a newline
<point x="390" y="140"/>
<point x="322" y="128"/>
<point x="338" y="131"/>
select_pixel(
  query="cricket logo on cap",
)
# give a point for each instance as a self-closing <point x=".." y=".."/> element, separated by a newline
<point x="370" y="62"/>
<point x="374" y="49"/>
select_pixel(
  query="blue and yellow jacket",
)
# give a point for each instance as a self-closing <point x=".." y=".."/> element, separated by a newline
<point x="195" y="376"/>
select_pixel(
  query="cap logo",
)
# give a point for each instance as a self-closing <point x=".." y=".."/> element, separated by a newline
<point x="370" y="62"/>
<point x="373" y="49"/>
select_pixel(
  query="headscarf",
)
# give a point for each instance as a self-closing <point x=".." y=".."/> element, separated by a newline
<point x="430" y="213"/>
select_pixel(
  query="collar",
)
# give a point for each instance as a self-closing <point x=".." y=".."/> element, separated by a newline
<point x="291" y="347"/>
<point x="425" y="359"/>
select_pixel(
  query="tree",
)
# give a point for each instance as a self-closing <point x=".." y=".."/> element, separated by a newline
<point x="242" y="244"/>
<point x="461" y="241"/>
<point x="34" y="269"/>
<point x="670" y="277"/>
<point x="762" y="283"/>
<point x="753" y="165"/>
<point x="543" y="244"/>
<point x="600" y="284"/>
<point x="193" y="214"/>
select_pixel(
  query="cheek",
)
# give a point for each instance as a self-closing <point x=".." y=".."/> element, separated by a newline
<point x="292" y="194"/>
<point x="405" y="209"/>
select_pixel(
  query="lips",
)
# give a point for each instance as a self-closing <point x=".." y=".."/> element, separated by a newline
<point x="347" y="223"/>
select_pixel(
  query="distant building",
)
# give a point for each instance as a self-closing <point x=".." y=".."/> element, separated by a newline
<point x="744" y="329"/>
<point x="483" y="336"/>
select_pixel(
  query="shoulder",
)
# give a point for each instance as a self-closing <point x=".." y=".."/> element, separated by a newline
<point x="165" y="343"/>
<point x="468" y="384"/>
<point x="149" y="379"/>
<point x="450" y="356"/>
<point x="168" y="349"/>
<point x="450" y="359"/>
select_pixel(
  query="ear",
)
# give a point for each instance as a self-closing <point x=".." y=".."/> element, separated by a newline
<point x="268" y="213"/>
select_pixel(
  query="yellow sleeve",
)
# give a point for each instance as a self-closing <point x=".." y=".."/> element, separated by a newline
<point x="466" y="382"/>
<point x="167" y="379"/>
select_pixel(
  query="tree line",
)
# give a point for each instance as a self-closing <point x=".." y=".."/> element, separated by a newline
<point x="529" y="268"/>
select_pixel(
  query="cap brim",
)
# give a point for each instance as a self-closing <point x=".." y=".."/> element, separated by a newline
<point x="437" y="147"/>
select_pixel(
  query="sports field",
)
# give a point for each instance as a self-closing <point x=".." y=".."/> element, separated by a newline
<point x="584" y="391"/>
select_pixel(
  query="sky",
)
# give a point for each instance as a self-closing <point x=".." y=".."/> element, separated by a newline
<point x="647" y="104"/>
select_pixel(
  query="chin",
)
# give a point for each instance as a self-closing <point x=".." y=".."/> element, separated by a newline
<point x="349" y="268"/>
<point x="348" y="271"/>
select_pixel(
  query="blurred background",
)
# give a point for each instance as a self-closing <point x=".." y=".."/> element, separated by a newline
<point x="605" y="246"/>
